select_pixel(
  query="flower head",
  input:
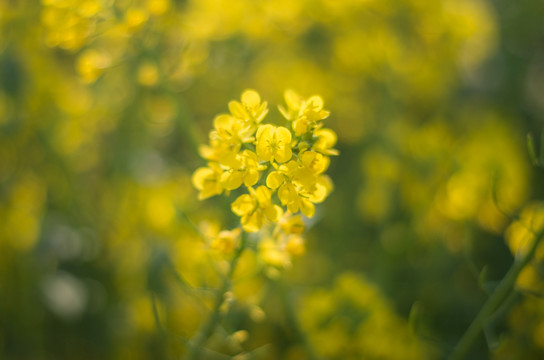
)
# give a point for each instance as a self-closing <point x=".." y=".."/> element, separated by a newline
<point x="295" y="159"/>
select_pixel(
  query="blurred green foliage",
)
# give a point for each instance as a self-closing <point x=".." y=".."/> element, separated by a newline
<point x="103" y="104"/>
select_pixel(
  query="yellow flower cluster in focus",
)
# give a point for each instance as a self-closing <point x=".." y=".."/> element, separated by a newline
<point x="282" y="168"/>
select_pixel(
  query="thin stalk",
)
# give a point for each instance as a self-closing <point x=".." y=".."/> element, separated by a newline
<point x="197" y="343"/>
<point x="494" y="301"/>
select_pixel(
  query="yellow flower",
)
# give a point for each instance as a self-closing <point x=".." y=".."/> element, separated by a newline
<point x="226" y="140"/>
<point x="301" y="185"/>
<point x="303" y="113"/>
<point x="326" y="139"/>
<point x="250" y="109"/>
<point x="246" y="170"/>
<point x="254" y="208"/>
<point x="304" y="173"/>
<point x="294" y="200"/>
<point x="274" y="143"/>
<point x="206" y="179"/>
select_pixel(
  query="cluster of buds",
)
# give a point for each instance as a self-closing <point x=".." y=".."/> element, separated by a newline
<point x="281" y="168"/>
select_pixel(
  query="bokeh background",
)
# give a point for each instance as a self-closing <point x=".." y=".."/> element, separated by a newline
<point x="104" y="103"/>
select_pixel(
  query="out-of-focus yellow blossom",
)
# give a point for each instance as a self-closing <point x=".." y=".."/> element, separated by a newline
<point x="290" y="224"/>
<point x="158" y="7"/>
<point x="250" y="109"/>
<point x="354" y="320"/>
<point x="271" y="254"/>
<point x="277" y="252"/>
<point x="148" y="74"/>
<point x="226" y="241"/>
<point x="295" y="245"/>
<point x="135" y="18"/>
<point x="91" y="63"/>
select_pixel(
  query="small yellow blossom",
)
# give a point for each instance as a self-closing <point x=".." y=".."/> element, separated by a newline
<point x="254" y="208"/>
<point x="250" y="109"/>
<point x="135" y="18"/>
<point x="295" y="245"/>
<point x="91" y="63"/>
<point x="326" y="139"/>
<point x="226" y="241"/>
<point x="245" y="170"/>
<point x="304" y="113"/>
<point x="148" y="74"/>
<point x="274" y="143"/>
<point x="271" y="254"/>
<point x="292" y="224"/>
<point x="206" y="179"/>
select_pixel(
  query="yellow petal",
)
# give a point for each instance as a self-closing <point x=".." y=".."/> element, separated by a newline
<point x="200" y="175"/>
<point x="251" y="177"/>
<point x="251" y="99"/>
<point x="300" y="126"/>
<point x="232" y="180"/>
<point x="253" y="222"/>
<point x="274" y="179"/>
<point x="295" y="245"/>
<point x="263" y="195"/>
<point x="283" y="154"/>
<point x="223" y="122"/>
<point x="243" y="205"/>
<point x="264" y="130"/>
<point x="237" y="110"/>
<point x="273" y="212"/>
<point x="292" y="99"/>
<point x="287" y="194"/>
<point x="315" y="103"/>
<point x="294" y="225"/>
<point x="283" y="135"/>
<point x="307" y="208"/>
<point x="284" y="112"/>
<point x="315" y="162"/>
<point x="305" y="178"/>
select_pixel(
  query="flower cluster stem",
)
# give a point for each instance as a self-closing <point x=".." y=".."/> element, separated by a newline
<point x="494" y="301"/>
<point x="196" y="345"/>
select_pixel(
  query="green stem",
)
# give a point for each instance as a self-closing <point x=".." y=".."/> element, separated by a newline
<point x="196" y="345"/>
<point x="294" y="323"/>
<point x="494" y="301"/>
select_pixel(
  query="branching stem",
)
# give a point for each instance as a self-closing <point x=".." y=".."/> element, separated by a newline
<point x="494" y="301"/>
<point x="197" y="343"/>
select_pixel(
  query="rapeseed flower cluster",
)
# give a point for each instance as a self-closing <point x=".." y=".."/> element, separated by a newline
<point x="281" y="168"/>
